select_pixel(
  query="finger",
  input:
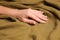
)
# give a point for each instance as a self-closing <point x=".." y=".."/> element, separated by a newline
<point x="41" y="12"/>
<point x="29" y="21"/>
<point x="37" y="19"/>
<point x="41" y="16"/>
<point x="36" y="11"/>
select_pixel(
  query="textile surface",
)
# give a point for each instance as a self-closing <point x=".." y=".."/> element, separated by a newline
<point x="13" y="29"/>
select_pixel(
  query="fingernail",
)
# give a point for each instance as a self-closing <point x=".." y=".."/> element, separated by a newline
<point x="34" y="22"/>
<point x="43" y="22"/>
<point x="46" y="19"/>
<point x="45" y="16"/>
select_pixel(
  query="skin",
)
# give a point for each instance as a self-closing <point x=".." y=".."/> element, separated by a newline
<point x="29" y="15"/>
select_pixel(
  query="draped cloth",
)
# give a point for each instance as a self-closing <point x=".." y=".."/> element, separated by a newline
<point x="12" y="29"/>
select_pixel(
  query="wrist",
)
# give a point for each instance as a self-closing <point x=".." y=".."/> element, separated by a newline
<point x="11" y="12"/>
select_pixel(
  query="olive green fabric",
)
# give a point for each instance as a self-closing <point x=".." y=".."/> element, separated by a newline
<point x="12" y="29"/>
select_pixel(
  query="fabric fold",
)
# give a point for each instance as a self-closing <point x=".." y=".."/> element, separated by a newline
<point x="12" y="4"/>
<point x="53" y="10"/>
<point x="55" y="3"/>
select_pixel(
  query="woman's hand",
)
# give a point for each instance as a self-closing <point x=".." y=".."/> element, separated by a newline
<point x="30" y="16"/>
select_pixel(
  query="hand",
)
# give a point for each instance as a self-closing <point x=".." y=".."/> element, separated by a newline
<point x="34" y="15"/>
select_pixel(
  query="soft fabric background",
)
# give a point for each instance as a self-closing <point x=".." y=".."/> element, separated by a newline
<point x="12" y="29"/>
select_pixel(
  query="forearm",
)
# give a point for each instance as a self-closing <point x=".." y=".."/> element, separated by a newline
<point x="7" y="11"/>
<point x="3" y="10"/>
